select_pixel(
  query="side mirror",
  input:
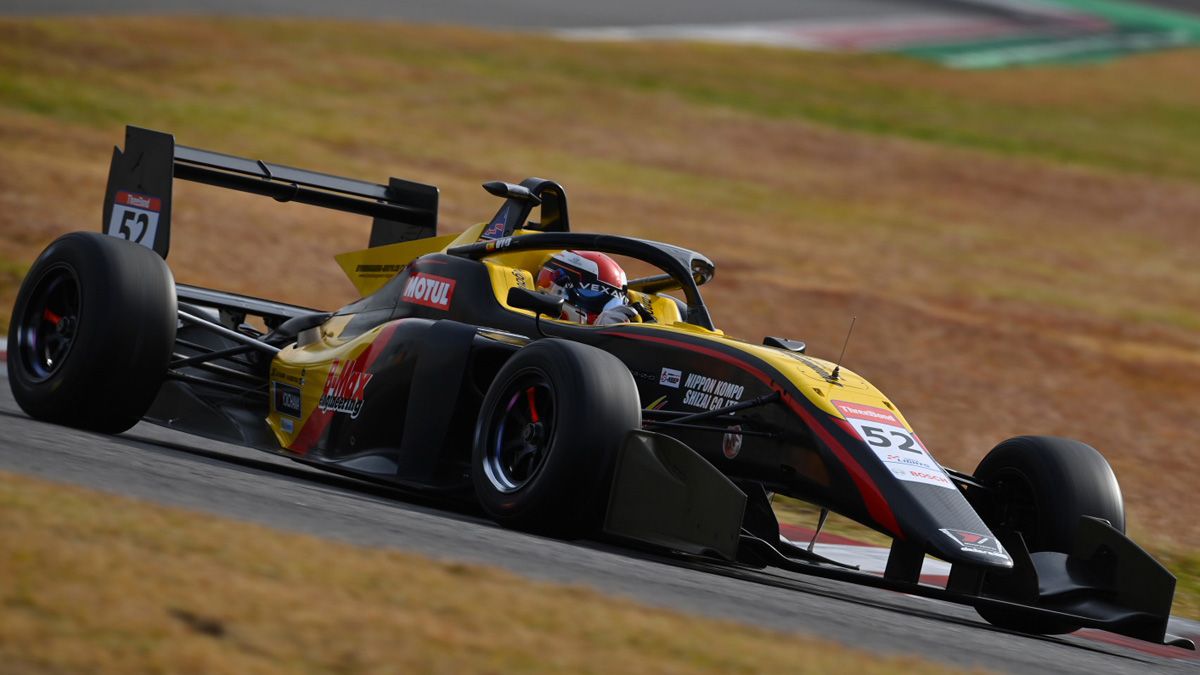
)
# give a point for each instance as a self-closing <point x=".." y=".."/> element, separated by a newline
<point x="538" y="303"/>
<point x="784" y="343"/>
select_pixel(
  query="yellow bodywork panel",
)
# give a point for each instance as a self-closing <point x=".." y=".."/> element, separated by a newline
<point x="810" y="375"/>
<point x="308" y="368"/>
<point x="370" y="268"/>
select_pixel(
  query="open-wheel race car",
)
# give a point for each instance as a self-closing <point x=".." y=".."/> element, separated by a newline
<point x="454" y="374"/>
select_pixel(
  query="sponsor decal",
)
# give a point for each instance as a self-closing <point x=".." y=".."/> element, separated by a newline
<point x="135" y="217"/>
<point x="731" y="444"/>
<point x="898" y="448"/>
<point x="500" y="243"/>
<point x="282" y="375"/>
<point x="379" y="271"/>
<point x="520" y="277"/>
<point x="816" y="367"/>
<point x="286" y="399"/>
<point x="977" y="543"/>
<point x="138" y="201"/>
<point x="577" y="261"/>
<point x="429" y="290"/>
<point x="708" y="393"/>
<point x="345" y="389"/>
<point x="594" y="287"/>
<point x="670" y="378"/>
<point x="497" y="227"/>
<point x="286" y="425"/>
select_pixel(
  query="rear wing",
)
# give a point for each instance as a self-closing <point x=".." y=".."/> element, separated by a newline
<point x="137" y="202"/>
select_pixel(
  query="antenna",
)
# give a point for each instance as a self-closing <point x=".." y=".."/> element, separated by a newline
<point x="837" y="366"/>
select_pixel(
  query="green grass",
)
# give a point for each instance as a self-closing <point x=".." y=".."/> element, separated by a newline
<point x="1137" y="119"/>
<point x="1185" y="565"/>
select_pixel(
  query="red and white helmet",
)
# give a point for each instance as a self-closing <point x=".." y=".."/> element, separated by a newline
<point x="589" y="282"/>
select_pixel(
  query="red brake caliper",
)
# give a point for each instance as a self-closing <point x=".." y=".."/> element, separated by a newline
<point x="51" y="316"/>
<point x="532" y="406"/>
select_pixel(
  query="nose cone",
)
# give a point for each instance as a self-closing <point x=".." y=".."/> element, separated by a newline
<point x="975" y="548"/>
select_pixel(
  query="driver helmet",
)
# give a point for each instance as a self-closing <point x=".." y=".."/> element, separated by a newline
<point x="588" y="281"/>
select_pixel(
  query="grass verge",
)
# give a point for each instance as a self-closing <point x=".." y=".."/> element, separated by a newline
<point x="101" y="584"/>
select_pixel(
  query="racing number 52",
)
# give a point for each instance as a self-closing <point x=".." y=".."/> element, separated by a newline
<point x="875" y="436"/>
<point x="126" y="232"/>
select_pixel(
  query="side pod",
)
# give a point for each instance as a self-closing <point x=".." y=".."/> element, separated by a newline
<point x="666" y="495"/>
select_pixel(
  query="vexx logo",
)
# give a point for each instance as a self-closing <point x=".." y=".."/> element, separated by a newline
<point x="344" y="388"/>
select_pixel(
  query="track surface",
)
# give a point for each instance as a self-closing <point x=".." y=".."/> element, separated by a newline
<point x="163" y="466"/>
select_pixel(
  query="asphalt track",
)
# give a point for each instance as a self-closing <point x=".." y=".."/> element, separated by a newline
<point x="162" y="466"/>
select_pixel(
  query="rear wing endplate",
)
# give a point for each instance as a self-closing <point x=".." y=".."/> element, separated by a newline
<point x="137" y="202"/>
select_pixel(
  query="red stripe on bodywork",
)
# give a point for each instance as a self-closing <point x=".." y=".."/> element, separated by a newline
<point x="877" y="506"/>
<point x="319" y="420"/>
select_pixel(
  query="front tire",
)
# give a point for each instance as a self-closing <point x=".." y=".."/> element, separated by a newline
<point x="92" y="332"/>
<point x="547" y="436"/>
<point x="1041" y="486"/>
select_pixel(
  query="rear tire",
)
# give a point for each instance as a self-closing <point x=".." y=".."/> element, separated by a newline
<point x="1042" y="485"/>
<point x="92" y="332"/>
<point x="547" y="436"/>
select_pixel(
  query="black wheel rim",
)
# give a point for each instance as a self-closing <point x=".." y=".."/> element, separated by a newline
<point x="1017" y="504"/>
<point x="50" y="323"/>
<point x="520" y="433"/>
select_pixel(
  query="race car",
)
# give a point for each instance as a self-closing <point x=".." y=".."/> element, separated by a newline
<point x="454" y="374"/>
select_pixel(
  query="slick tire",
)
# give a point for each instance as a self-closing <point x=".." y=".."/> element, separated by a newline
<point x="1042" y="485"/>
<point x="92" y="332"/>
<point x="547" y="436"/>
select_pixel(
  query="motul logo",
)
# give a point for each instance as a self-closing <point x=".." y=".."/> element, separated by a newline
<point x="429" y="290"/>
<point x="344" y="389"/>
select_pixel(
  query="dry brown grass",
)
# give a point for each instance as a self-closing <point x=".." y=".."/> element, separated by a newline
<point x="1029" y="268"/>
<point x="100" y="584"/>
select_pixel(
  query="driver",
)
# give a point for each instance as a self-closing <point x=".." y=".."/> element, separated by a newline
<point x="592" y="285"/>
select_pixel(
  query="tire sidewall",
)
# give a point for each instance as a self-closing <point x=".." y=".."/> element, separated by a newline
<point x="1068" y="479"/>
<point x="123" y="339"/>
<point x="595" y="403"/>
